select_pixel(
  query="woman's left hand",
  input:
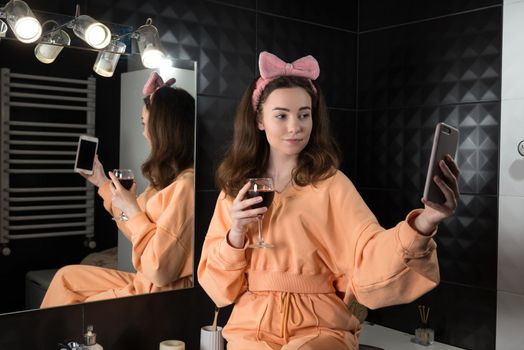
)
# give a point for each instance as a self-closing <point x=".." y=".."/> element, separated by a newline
<point x="123" y="199"/>
<point x="434" y="213"/>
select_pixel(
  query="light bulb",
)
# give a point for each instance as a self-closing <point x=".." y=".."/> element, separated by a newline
<point x="27" y="29"/>
<point x="152" y="57"/>
<point x="97" y="35"/>
<point x="22" y="21"/>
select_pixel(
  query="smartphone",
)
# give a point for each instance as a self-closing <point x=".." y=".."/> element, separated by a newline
<point x="445" y="142"/>
<point x="85" y="154"/>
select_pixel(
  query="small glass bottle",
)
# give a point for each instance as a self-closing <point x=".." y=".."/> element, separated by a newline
<point x="90" y="340"/>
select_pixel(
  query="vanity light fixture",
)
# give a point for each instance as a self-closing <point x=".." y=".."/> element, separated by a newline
<point x="21" y="20"/>
<point x="27" y="29"/>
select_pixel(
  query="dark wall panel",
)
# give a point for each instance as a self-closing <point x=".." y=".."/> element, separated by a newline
<point x="332" y="13"/>
<point x="411" y="76"/>
<point x="455" y="59"/>
<point x="380" y="13"/>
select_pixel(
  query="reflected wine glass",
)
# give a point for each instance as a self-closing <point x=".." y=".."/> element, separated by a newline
<point x="126" y="179"/>
<point x="262" y="187"/>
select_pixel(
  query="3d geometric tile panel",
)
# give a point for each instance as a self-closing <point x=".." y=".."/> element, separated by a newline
<point x="394" y="146"/>
<point x="467" y="242"/>
<point x="214" y="132"/>
<point x="455" y="59"/>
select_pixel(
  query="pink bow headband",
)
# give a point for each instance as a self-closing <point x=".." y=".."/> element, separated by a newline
<point x="272" y="67"/>
<point x="154" y="83"/>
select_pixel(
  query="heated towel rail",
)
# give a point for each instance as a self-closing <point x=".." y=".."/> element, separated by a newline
<point x="41" y="120"/>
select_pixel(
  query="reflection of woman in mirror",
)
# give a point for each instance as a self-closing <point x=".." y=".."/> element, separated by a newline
<point x="160" y="224"/>
<point x="329" y="249"/>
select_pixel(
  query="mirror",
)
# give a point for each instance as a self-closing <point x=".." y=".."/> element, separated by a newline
<point x="41" y="256"/>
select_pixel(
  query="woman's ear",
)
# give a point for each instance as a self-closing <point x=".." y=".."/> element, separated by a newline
<point x="260" y="123"/>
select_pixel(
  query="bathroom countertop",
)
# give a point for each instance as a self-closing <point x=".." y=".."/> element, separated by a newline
<point x="391" y="339"/>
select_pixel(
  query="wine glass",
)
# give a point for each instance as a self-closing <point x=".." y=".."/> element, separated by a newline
<point x="126" y="179"/>
<point x="262" y="187"/>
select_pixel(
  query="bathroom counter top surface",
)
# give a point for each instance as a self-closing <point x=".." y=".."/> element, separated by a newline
<point x="392" y="339"/>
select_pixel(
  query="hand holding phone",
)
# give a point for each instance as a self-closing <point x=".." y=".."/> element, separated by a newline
<point x="85" y="154"/>
<point x="445" y="142"/>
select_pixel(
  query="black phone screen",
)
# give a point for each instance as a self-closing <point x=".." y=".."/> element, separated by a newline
<point x="86" y="154"/>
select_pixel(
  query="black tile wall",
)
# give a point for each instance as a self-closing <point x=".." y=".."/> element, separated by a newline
<point x="455" y="59"/>
<point x="468" y="243"/>
<point x="396" y="145"/>
<point x="379" y="13"/>
<point x="214" y="133"/>
<point x="332" y="13"/>
<point x="411" y="76"/>
<point x="344" y="129"/>
<point x="465" y="241"/>
<point x="207" y="201"/>
<point x="250" y="4"/>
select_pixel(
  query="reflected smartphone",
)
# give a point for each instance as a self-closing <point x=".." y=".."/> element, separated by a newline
<point x="445" y="142"/>
<point x="85" y="154"/>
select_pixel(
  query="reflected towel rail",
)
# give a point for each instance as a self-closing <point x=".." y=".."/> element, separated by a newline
<point x="42" y="118"/>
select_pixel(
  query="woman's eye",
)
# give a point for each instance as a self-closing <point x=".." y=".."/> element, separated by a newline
<point x="303" y="116"/>
<point x="280" y="116"/>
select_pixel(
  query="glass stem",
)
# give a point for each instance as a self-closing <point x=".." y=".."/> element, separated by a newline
<point x="259" y="219"/>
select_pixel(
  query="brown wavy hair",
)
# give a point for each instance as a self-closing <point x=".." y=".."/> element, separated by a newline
<point x="248" y="154"/>
<point x="171" y="128"/>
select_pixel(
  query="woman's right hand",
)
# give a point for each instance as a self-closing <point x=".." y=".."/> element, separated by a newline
<point x="98" y="178"/>
<point x="242" y="215"/>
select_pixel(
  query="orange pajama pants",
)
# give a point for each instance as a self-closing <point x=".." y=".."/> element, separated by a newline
<point x="289" y="321"/>
<point x="79" y="283"/>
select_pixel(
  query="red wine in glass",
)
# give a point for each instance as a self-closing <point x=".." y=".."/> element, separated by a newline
<point x="126" y="179"/>
<point x="262" y="187"/>
<point x="126" y="183"/>
<point x="267" y="197"/>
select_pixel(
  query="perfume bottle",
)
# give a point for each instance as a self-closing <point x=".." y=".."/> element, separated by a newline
<point x="90" y="340"/>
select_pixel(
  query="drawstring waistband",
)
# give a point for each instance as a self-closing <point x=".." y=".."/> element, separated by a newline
<point x="286" y="298"/>
<point x="290" y="307"/>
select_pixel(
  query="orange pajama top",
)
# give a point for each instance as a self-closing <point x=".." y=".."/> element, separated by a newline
<point x="327" y="243"/>
<point x="161" y="234"/>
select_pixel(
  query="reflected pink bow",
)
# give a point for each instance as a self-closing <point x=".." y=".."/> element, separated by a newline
<point x="155" y="82"/>
<point x="272" y="67"/>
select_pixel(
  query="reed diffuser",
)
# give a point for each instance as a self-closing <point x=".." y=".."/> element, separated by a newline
<point x="211" y="336"/>
<point x="215" y="319"/>
<point x="424" y="335"/>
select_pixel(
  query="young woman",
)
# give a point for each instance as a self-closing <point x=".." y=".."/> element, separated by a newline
<point x="329" y="250"/>
<point x="160" y="220"/>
